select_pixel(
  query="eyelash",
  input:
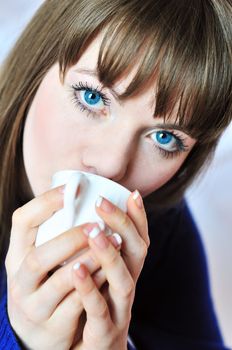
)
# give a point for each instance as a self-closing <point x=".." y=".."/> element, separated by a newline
<point x="83" y="108"/>
<point x="181" y="144"/>
<point x="180" y="140"/>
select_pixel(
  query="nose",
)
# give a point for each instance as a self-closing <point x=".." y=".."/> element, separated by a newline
<point x="109" y="155"/>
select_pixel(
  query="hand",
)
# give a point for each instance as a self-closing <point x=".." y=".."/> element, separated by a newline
<point x="108" y="314"/>
<point x="44" y="308"/>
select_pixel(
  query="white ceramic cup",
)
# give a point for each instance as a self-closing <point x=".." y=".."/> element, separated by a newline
<point x="80" y="208"/>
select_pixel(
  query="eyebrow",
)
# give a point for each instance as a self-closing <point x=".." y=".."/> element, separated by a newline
<point x="172" y="126"/>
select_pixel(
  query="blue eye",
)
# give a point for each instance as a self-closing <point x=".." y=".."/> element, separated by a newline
<point x="168" y="143"/>
<point x="91" y="97"/>
<point x="166" y="140"/>
<point x="163" y="137"/>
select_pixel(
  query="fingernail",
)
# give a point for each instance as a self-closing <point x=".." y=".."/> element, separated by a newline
<point x="88" y="228"/>
<point x="94" y="232"/>
<point x="76" y="266"/>
<point x="99" y="238"/>
<point x="117" y="239"/>
<point x="80" y="270"/>
<point x="137" y="198"/>
<point x="102" y="225"/>
<point x="105" y="205"/>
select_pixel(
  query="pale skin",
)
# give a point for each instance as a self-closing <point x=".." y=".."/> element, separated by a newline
<point x="118" y="143"/>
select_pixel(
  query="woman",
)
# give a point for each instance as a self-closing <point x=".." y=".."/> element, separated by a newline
<point x="139" y="93"/>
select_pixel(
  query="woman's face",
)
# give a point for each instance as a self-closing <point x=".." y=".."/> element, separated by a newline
<point x="81" y="125"/>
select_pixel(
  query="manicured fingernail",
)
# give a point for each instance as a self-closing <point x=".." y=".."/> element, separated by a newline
<point x="89" y="227"/>
<point x="105" y="205"/>
<point x="94" y="232"/>
<point x="99" y="238"/>
<point x="117" y="238"/>
<point x="102" y="225"/>
<point x="137" y="198"/>
<point x="80" y="270"/>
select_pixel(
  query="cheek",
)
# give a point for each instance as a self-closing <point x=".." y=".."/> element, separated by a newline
<point x="45" y="142"/>
<point x="50" y="121"/>
<point x="45" y="132"/>
<point x="158" y="175"/>
<point x="42" y="129"/>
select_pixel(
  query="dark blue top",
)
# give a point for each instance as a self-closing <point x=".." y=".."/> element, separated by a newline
<point x="173" y="309"/>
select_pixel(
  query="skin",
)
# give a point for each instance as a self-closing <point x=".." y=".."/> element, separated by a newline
<point x="45" y="308"/>
<point x="114" y="144"/>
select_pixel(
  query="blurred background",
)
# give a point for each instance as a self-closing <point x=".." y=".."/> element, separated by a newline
<point x="210" y="197"/>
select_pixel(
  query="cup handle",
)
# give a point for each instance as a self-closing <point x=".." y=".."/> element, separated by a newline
<point x="69" y="198"/>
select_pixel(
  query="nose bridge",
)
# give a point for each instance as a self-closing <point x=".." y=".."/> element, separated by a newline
<point x="111" y="152"/>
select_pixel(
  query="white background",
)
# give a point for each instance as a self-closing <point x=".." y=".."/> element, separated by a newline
<point x="210" y="198"/>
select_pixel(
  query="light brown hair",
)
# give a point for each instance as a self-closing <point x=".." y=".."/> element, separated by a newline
<point x="184" y="45"/>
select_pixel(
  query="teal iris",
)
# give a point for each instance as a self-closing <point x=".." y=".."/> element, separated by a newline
<point x="163" y="137"/>
<point x="91" y="97"/>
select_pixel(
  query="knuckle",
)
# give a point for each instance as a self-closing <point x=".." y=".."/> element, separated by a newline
<point x="73" y="306"/>
<point x="15" y="293"/>
<point x="50" y="199"/>
<point x="33" y="312"/>
<point x="75" y="300"/>
<point x="112" y="259"/>
<point x="90" y="289"/>
<point x="21" y="217"/>
<point x="128" y="289"/>
<point x="125" y="221"/>
<point x="46" y="197"/>
<point x="33" y="263"/>
<point x="143" y="249"/>
<point x="77" y="237"/>
<point x="17" y="216"/>
<point x="58" y="282"/>
<point x="102" y="310"/>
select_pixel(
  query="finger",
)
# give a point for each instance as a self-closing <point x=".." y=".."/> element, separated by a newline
<point x="71" y="306"/>
<point x="25" y="221"/>
<point x="60" y="283"/>
<point x="134" y="247"/>
<point x="98" y="316"/>
<point x="57" y="286"/>
<point x="136" y="211"/>
<point x="39" y="261"/>
<point x="121" y="284"/>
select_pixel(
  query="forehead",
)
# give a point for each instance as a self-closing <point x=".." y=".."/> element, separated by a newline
<point x="88" y="64"/>
<point x="157" y="91"/>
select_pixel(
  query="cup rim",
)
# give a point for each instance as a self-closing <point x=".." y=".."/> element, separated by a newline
<point x="72" y="171"/>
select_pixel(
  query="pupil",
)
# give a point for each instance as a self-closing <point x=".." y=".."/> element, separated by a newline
<point x="91" y="97"/>
<point x="164" y="137"/>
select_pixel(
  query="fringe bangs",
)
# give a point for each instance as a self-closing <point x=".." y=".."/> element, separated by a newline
<point x="175" y="47"/>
